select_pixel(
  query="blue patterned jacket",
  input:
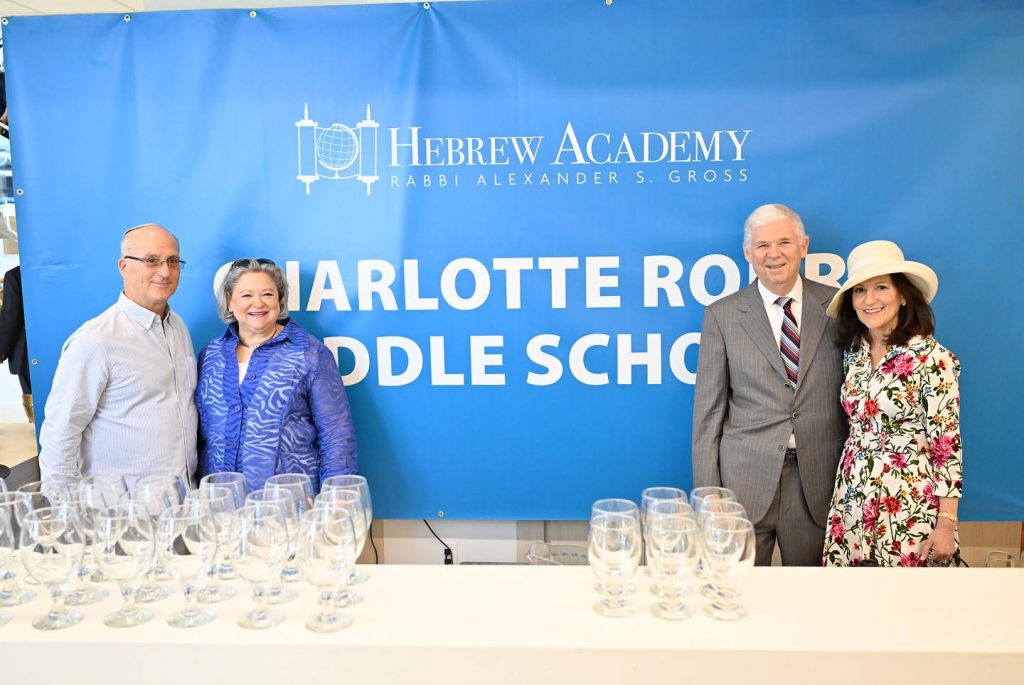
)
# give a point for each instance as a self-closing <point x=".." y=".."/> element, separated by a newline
<point x="289" y="415"/>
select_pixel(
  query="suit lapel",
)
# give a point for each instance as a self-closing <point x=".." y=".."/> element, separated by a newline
<point x="812" y="327"/>
<point x="755" y="322"/>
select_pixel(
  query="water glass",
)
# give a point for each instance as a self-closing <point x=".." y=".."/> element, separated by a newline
<point x="263" y="546"/>
<point x="358" y="483"/>
<point x="124" y="546"/>
<point x="13" y="507"/>
<point x="235" y="482"/>
<point x="221" y="502"/>
<point x="326" y="553"/>
<point x="284" y="500"/>
<point x="187" y="545"/>
<point x="674" y="548"/>
<point x="352" y="503"/>
<point x="52" y="545"/>
<point x="614" y="554"/>
<point x="729" y="551"/>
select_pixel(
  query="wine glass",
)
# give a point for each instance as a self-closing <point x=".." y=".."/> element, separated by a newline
<point x="614" y="553"/>
<point x="998" y="559"/>
<point x="352" y="503"/>
<point x="236" y="483"/>
<point x="729" y="551"/>
<point x="7" y="547"/>
<point x="649" y="496"/>
<point x="326" y="553"/>
<point x="221" y="502"/>
<point x="124" y="544"/>
<point x="93" y="494"/>
<point x="157" y="493"/>
<point x="710" y="492"/>
<point x="674" y="548"/>
<point x="52" y="545"/>
<point x="13" y="507"/>
<point x="283" y="499"/>
<point x="615" y="505"/>
<point x="299" y="484"/>
<point x="187" y="545"/>
<point x="710" y="509"/>
<point x="354" y="481"/>
<point x="98" y="492"/>
<point x="228" y="479"/>
<point x="263" y="546"/>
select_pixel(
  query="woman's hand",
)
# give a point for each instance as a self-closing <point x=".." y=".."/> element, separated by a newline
<point x="941" y="543"/>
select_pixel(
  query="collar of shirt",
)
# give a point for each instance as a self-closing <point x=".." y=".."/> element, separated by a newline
<point x="287" y="332"/>
<point x="136" y="312"/>
<point x="797" y="293"/>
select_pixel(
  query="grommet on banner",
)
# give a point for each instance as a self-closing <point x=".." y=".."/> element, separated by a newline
<point x="35" y="361"/>
<point x="127" y="17"/>
<point x="426" y="5"/>
<point x="440" y="514"/>
<point x="607" y="2"/>
<point x="3" y="21"/>
<point x="20" y="191"/>
<point x="252" y="13"/>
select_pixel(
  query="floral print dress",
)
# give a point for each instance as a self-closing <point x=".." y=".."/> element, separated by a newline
<point x="902" y="455"/>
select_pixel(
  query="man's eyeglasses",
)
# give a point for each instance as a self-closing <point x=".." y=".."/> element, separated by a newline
<point x="249" y="260"/>
<point x="173" y="263"/>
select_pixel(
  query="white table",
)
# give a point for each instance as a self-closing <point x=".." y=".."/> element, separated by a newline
<point x="528" y="625"/>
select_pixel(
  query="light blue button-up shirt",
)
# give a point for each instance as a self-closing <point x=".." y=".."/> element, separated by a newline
<point x="122" y="399"/>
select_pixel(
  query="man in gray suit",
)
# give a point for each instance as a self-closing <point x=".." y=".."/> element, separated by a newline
<point x="767" y="420"/>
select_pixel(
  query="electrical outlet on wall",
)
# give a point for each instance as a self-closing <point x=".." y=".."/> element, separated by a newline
<point x="449" y="558"/>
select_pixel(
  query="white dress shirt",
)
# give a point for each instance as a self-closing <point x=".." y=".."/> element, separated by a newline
<point x="122" y="399"/>
<point x="776" y="315"/>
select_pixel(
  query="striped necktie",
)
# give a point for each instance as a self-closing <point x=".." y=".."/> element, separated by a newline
<point x="789" y="341"/>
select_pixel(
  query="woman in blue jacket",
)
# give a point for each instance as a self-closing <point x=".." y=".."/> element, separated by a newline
<point x="270" y="396"/>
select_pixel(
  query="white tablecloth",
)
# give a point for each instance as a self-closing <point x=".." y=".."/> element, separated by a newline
<point x="528" y="625"/>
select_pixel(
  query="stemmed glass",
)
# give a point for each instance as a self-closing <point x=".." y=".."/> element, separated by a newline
<point x="674" y="547"/>
<point x="326" y="553"/>
<point x="354" y="481"/>
<point x="93" y="494"/>
<point x="351" y="502"/>
<point x="221" y="502"/>
<point x="283" y="499"/>
<point x="157" y="493"/>
<point x="711" y="510"/>
<point x="301" y="488"/>
<point x="187" y="545"/>
<point x="615" y="505"/>
<point x="648" y="497"/>
<point x="236" y="483"/>
<point x="7" y="546"/>
<point x="697" y="495"/>
<point x="729" y="551"/>
<point x="124" y="545"/>
<point x="52" y="545"/>
<point x="614" y="553"/>
<point x="263" y="546"/>
<point x="13" y="507"/>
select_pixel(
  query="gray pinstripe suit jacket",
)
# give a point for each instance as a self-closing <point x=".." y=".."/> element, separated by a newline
<point x="743" y="413"/>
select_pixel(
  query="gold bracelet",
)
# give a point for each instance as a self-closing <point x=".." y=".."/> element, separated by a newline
<point x="947" y="515"/>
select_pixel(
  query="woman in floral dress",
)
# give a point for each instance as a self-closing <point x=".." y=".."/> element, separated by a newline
<point x="898" y="485"/>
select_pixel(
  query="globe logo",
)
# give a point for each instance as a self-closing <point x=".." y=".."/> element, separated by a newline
<point x="337" y="147"/>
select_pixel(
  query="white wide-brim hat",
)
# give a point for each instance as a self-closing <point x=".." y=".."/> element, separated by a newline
<point x="878" y="258"/>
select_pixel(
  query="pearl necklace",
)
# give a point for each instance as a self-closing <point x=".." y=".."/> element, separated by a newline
<point x="277" y="329"/>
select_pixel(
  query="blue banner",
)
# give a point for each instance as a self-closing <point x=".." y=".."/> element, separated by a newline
<point x="506" y="218"/>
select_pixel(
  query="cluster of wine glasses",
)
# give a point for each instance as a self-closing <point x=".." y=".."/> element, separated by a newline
<point x="73" y="539"/>
<point x="702" y="543"/>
